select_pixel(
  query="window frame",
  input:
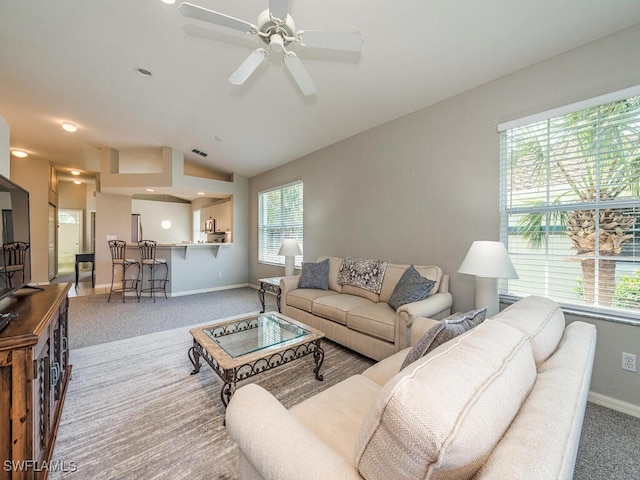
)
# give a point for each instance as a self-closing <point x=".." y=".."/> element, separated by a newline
<point x="507" y="210"/>
<point x="289" y="229"/>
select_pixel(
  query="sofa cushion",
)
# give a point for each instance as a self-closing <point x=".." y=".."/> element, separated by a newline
<point x="315" y="275"/>
<point x="336" y="414"/>
<point x="374" y="319"/>
<point x="450" y="328"/>
<point x="541" y="319"/>
<point x="362" y="272"/>
<point x="410" y="288"/>
<point x="394" y="271"/>
<point x="334" y="270"/>
<point x="303" y="298"/>
<point x="335" y="307"/>
<point x="436" y="419"/>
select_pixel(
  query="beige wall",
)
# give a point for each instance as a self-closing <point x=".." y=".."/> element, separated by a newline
<point x="72" y="196"/>
<point x="422" y="188"/>
<point x="33" y="176"/>
<point x="4" y="147"/>
<point x="113" y="217"/>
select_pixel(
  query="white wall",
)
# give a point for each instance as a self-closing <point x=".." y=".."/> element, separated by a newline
<point x="422" y="188"/>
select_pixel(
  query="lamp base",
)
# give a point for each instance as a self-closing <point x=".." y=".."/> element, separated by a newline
<point x="289" y="268"/>
<point x="487" y="294"/>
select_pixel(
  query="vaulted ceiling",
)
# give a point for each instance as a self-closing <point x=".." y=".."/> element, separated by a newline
<point x="77" y="61"/>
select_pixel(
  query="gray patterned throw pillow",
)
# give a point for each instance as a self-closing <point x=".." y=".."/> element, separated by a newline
<point x="410" y="288"/>
<point x="315" y="275"/>
<point x="449" y="328"/>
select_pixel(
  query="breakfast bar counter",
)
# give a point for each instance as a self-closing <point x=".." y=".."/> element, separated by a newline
<point x="191" y="267"/>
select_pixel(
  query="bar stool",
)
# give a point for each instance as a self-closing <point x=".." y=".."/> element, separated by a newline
<point x="118" y="259"/>
<point x="14" y="254"/>
<point x="148" y="258"/>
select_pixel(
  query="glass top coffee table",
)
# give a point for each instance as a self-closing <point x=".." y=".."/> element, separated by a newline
<point x="244" y="347"/>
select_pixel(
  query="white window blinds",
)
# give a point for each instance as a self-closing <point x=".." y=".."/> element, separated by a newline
<point x="570" y="207"/>
<point x="280" y="215"/>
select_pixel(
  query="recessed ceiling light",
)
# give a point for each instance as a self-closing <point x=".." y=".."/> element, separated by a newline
<point x="69" y="127"/>
<point x="150" y="190"/>
<point x="143" y="72"/>
<point x="19" y="153"/>
<point x="77" y="182"/>
<point x="168" y="2"/>
<point x="75" y="172"/>
<point x="200" y="193"/>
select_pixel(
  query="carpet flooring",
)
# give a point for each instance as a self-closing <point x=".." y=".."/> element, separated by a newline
<point x="93" y="320"/>
<point x="133" y="411"/>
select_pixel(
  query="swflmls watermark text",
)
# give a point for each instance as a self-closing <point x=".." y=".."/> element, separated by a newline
<point x="34" y="466"/>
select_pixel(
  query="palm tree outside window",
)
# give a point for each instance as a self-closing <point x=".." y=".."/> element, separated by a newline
<point x="570" y="207"/>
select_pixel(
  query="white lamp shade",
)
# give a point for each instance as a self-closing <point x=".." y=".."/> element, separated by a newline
<point x="290" y="248"/>
<point x="489" y="260"/>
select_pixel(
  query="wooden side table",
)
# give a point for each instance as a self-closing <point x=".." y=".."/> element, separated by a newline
<point x="271" y="285"/>
<point x="86" y="257"/>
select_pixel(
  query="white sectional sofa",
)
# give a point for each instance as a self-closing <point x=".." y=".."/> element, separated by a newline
<point x="505" y="400"/>
<point x="361" y="319"/>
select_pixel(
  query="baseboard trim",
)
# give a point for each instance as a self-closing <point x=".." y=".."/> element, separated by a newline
<point x="614" y="404"/>
<point x="207" y="290"/>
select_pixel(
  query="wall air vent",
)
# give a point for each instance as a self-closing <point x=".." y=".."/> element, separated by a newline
<point x="198" y="152"/>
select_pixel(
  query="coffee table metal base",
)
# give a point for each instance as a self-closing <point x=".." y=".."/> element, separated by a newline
<point x="231" y="376"/>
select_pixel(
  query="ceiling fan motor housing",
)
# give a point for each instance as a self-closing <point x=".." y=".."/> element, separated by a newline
<point x="270" y="26"/>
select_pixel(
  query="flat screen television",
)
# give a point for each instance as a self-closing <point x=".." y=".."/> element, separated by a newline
<point x="14" y="225"/>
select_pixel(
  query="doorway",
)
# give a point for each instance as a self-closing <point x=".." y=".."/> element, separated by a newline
<point x="70" y="239"/>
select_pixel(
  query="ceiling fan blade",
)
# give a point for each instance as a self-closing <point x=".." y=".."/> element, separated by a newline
<point x="199" y="13"/>
<point x="299" y="73"/>
<point x="279" y="8"/>
<point x="332" y="39"/>
<point x="249" y="66"/>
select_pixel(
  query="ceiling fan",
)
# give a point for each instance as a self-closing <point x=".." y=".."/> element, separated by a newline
<point x="276" y="29"/>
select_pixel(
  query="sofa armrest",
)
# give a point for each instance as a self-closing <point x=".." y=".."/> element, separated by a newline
<point x="437" y="306"/>
<point x="288" y="283"/>
<point x="444" y="284"/>
<point x="276" y="444"/>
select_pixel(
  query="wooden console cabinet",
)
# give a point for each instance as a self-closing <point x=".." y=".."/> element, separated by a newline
<point x="34" y="373"/>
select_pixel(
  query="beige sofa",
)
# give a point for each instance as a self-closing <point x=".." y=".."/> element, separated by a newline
<point x="359" y="319"/>
<point x="504" y="400"/>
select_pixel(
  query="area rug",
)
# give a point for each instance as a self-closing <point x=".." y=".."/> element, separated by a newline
<point x="134" y="411"/>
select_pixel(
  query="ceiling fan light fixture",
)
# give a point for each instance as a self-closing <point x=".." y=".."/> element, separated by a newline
<point x="276" y="42"/>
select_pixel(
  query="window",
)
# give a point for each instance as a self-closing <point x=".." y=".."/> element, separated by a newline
<point x="280" y="213"/>
<point x="570" y="207"/>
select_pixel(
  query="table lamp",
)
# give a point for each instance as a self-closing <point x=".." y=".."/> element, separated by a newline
<point x="289" y="249"/>
<point x="488" y="261"/>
